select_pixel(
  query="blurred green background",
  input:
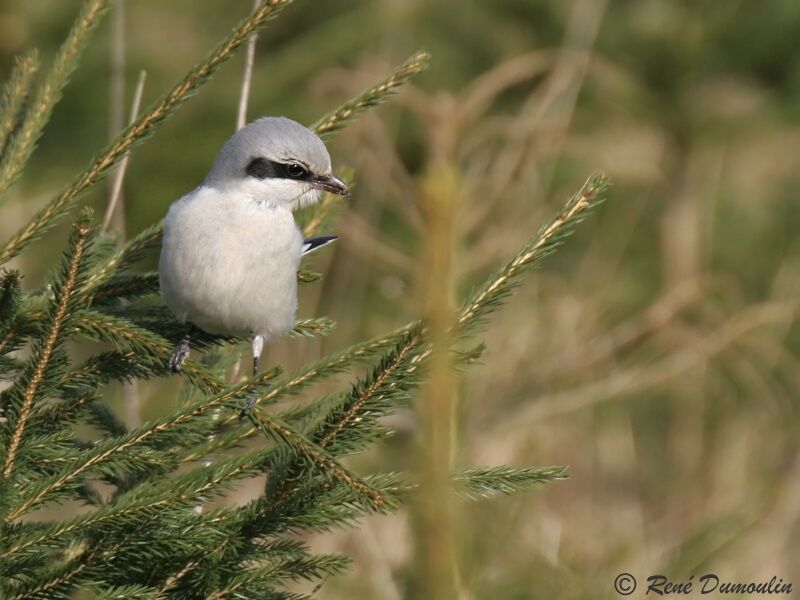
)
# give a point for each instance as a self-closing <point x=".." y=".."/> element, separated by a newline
<point x="656" y="353"/>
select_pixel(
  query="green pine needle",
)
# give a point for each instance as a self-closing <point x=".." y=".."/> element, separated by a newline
<point x="15" y="95"/>
<point x="494" y="291"/>
<point x="485" y="482"/>
<point x="23" y="143"/>
<point x="326" y="126"/>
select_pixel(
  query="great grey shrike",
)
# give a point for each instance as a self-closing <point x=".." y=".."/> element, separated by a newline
<point x="231" y="249"/>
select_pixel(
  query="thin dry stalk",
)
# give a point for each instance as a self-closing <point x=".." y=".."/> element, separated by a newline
<point x="119" y="176"/>
<point x="116" y="119"/>
<point x="244" y="96"/>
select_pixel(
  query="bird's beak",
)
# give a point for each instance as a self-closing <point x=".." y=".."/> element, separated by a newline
<point x="331" y="183"/>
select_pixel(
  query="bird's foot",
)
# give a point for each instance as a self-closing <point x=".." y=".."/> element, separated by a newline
<point x="247" y="406"/>
<point x="179" y="355"/>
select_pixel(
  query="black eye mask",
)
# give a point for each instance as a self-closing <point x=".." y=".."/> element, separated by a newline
<point x="261" y="168"/>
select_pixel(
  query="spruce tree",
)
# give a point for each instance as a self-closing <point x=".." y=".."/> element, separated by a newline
<point x="156" y="535"/>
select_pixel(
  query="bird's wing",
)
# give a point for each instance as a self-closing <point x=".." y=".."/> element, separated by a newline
<point x="315" y="243"/>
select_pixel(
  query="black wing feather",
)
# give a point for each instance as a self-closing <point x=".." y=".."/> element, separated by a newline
<point x="315" y="243"/>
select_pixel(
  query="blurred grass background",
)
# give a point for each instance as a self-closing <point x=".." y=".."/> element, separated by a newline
<point x="656" y="353"/>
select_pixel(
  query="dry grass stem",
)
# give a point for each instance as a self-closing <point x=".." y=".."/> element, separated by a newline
<point x="119" y="175"/>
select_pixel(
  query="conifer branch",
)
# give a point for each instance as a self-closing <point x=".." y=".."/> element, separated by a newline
<point x="328" y="366"/>
<point x="173" y="579"/>
<point x="149" y="500"/>
<point x="9" y="302"/>
<point x="335" y="363"/>
<point x="384" y="379"/>
<point x="350" y="110"/>
<point x="273" y="427"/>
<point x="81" y="232"/>
<point x="128" y="592"/>
<point x="320" y="326"/>
<point x="484" y="482"/>
<point x="23" y="143"/>
<point x="549" y="237"/>
<point x="290" y="568"/>
<point x="148" y="239"/>
<point x="124" y="334"/>
<point x="80" y="563"/>
<point x="15" y="93"/>
<point x="107" y="449"/>
<point x="142" y="128"/>
<point x="381" y="381"/>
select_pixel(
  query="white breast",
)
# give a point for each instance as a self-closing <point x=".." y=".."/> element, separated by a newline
<point x="229" y="265"/>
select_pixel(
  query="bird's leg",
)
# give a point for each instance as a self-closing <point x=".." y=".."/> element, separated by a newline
<point x="257" y="346"/>
<point x="181" y="353"/>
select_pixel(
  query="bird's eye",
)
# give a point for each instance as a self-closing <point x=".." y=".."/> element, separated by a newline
<point x="295" y="171"/>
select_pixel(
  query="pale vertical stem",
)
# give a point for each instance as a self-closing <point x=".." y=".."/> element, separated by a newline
<point x="241" y="119"/>
<point x="116" y="100"/>
<point x="119" y="175"/>
<point x="436" y="569"/>
<point x="130" y="391"/>
<point x="117" y="87"/>
<point x="244" y="96"/>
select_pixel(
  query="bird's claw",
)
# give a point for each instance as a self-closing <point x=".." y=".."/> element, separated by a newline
<point x="247" y="407"/>
<point x="179" y="355"/>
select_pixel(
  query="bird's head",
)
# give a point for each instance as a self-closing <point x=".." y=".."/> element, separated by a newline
<point x="277" y="161"/>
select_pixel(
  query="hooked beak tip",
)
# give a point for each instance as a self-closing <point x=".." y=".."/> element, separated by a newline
<point x="333" y="184"/>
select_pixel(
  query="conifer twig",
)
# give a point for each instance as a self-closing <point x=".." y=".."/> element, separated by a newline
<point x="272" y="426"/>
<point x="165" y="494"/>
<point x="547" y="239"/>
<point x="81" y="232"/>
<point x="79" y="564"/>
<point x="103" y="451"/>
<point x="380" y="382"/>
<point x="142" y="128"/>
<point x="313" y="327"/>
<point x="15" y="92"/>
<point x="483" y="482"/>
<point x="336" y="119"/>
<point x="24" y="142"/>
<point x="119" y="175"/>
<point x="297" y="381"/>
<point x="133" y="250"/>
<point x="121" y="331"/>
